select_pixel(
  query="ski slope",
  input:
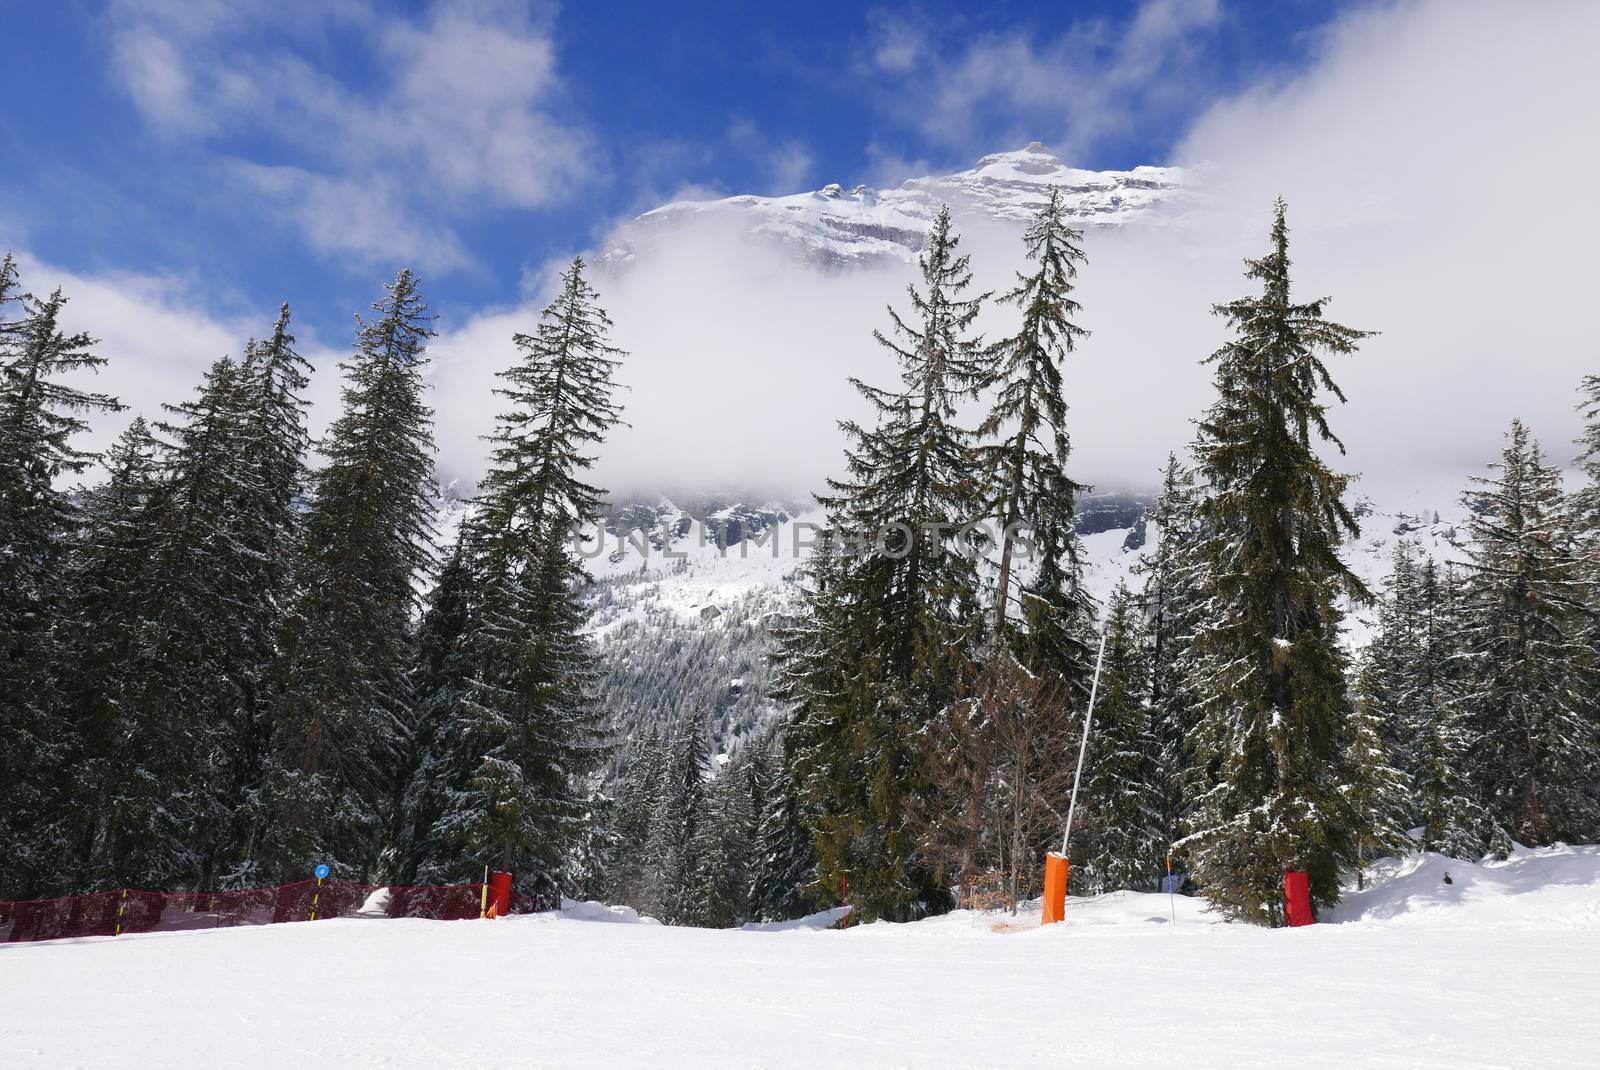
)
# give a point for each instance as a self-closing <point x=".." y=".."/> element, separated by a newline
<point x="1496" y="968"/>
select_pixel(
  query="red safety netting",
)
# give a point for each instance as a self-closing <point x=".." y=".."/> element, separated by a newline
<point x="131" y="911"/>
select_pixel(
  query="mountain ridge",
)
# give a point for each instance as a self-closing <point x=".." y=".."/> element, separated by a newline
<point x="836" y="227"/>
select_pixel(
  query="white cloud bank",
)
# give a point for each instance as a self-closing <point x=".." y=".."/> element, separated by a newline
<point x="158" y="337"/>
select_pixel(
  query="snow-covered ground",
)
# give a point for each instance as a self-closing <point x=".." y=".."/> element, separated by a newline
<point x="1496" y="968"/>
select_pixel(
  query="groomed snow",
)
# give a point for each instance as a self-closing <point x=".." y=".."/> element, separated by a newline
<point x="1496" y="968"/>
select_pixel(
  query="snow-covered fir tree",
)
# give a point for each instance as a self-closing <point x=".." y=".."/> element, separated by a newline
<point x="429" y="761"/>
<point x="42" y="413"/>
<point x="111" y="599"/>
<point x="1122" y="791"/>
<point x="1585" y="529"/>
<point x="1170" y="597"/>
<point x="1585" y="501"/>
<point x="725" y="845"/>
<point x="1454" y="820"/>
<point x="1275" y="707"/>
<point x="197" y="684"/>
<point x="1032" y="496"/>
<point x="1410" y="715"/>
<point x="638" y="796"/>
<point x="672" y="872"/>
<point x="528" y="718"/>
<point x="1393" y="671"/>
<point x="784" y="869"/>
<point x="346" y="638"/>
<point x="276" y="377"/>
<point x="1379" y="793"/>
<point x="907" y="598"/>
<point x="1529" y="692"/>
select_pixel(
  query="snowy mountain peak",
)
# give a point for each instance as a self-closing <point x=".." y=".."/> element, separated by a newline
<point x="1033" y="160"/>
<point x="833" y="227"/>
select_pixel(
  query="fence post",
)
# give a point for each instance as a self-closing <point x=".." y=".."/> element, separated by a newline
<point x="122" y="908"/>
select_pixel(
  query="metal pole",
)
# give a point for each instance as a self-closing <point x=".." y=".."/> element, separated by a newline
<point x="1083" y="747"/>
<point x="1172" y="892"/>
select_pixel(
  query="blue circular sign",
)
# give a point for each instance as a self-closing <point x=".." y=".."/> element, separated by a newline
<point x="321" y="871"/>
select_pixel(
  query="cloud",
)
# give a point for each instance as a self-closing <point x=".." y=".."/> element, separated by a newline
<point x="367" y="219"/>
<point x="158" y="336"/>
<point x="958" y="89"/>
<point x="155" y="78"/>
<point x="462" y="113"/>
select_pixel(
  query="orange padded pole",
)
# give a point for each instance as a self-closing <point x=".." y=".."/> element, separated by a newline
<point x="1055" y="888"/>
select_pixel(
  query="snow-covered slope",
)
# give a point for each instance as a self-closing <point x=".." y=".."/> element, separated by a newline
<point x="686" y="600"/>
<point x="1494" y="969"/>
<point x="836" y="226"/>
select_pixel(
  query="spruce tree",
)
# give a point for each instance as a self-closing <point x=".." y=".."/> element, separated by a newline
<point x="672" y="890"/>
<point x="429" y="759"/>
<point x="1027" y="458"/>
<point x="1585" y="528"/>
<point x="111" y="605"/>
<point x="346" y="638"/>
<point x="638" y="796"/>
<point x="1392" y="672"/>
<point x="906" y="594"/>
<point x="1379" y="794"/>
<point x="812" y="666"/>
<point x="529" y="716"/>
<point x="724" y="848"/>
<point x="41" y="414"/>
<point x="1454" y="820"/>
<point x="1585" y="502"/>
<point x="784" y="872"/>
<point x="1121" y="790"/>
<point x="1275" y="708"/>
<point x="1527" y="675"/>
<point x="193" y="688"/>
<point x="275" y="457"/>
<point x="1170" y="598"/>
<point x="1409" y="713"/>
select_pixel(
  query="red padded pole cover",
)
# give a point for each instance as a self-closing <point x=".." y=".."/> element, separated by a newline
<point x="499" y="895"/>
<point x="1297" y="897"/>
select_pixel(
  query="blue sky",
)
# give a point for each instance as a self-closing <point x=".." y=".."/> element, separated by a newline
<point x="259" y="150"/>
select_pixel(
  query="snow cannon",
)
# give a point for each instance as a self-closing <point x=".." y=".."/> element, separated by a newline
<point x="1297" y="898"/>
<point x="499" y="895"/>
<point x="1056" y="867"/>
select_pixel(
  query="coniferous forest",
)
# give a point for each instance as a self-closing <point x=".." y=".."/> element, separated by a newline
<point x="229" y="652"/>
